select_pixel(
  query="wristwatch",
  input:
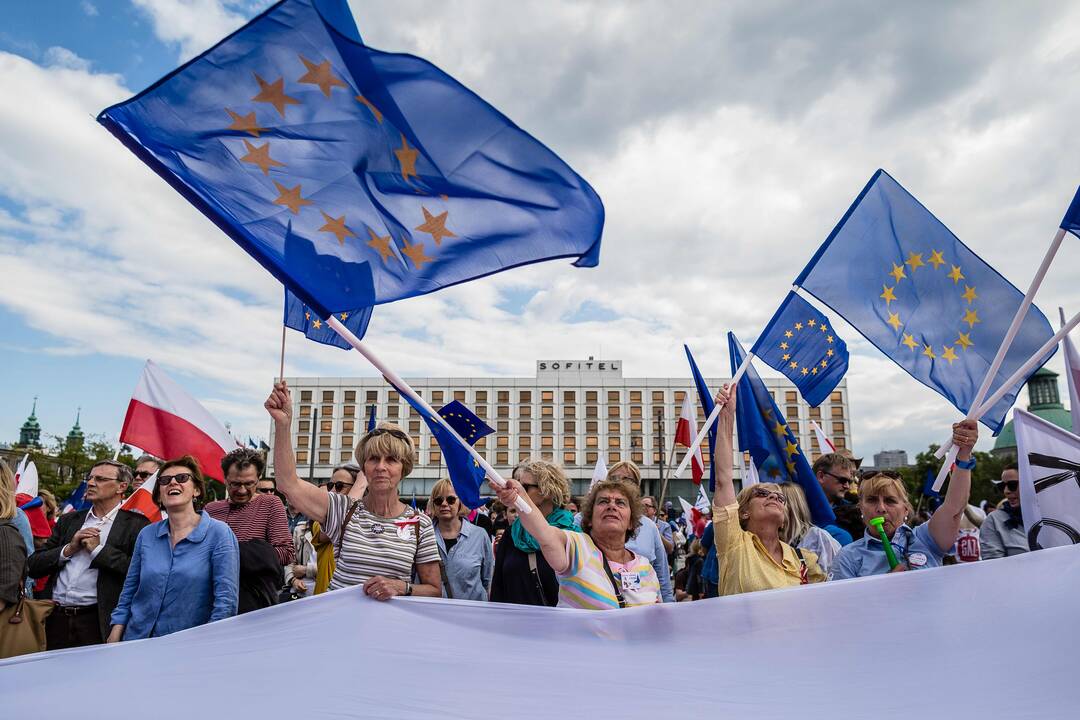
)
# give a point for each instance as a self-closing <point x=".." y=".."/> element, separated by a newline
<point x="966" y="464"/>
<point x="408" y="588"/>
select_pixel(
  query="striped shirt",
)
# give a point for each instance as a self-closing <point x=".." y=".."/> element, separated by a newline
<point x="585" y="584"/>
<point x="375" y="545"/>
<point x="262" y="518"/>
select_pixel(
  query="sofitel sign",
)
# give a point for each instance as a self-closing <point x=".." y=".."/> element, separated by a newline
<point x="589" y="365"/>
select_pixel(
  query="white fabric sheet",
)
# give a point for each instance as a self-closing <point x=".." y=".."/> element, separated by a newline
<point x="978" y="640"/>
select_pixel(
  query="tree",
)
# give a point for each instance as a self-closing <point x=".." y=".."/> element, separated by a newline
<point x="61" y="470"/>
<point x="987" y="469"/>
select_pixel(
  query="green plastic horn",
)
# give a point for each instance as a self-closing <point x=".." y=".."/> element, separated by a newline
<point x="879" y="523"/>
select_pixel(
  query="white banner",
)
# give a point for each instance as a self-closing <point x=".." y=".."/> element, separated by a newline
<point x="1049" y="460"/>
<point x="928" y="644"/>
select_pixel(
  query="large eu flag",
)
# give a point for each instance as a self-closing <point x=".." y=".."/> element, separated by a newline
<point x="773" y="447"/>
<point x="356" y="177"/>
<point x="706" y="400"/>
<point x="299" y="316"/>
<point x="801" y="343"/>
<point x="903" y="280"/>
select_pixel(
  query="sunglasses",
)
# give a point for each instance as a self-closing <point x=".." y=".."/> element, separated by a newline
<point x="448" y="500"/>
<point x="180" y="478"/>
<point x="840" y="478"/>
<point x="338" y="486"/>
<point x="266" y="491"/>
<point x="1010" y="485"/>
<point x="393" y="432"/>
<point x="142" y="474"/>
<point x="763" y="493"/>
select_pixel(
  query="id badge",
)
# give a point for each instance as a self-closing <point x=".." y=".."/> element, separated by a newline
<point x="631" y="581"/>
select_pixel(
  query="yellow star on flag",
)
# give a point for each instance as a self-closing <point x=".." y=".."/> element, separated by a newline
<point x="829" y="339"/>
<point x="320" y="74"/>
<point x="337" y="227"/>
<point x="245" y="123"/>
<point x="798" y="326"/>
<point x="971" y="317"/>
<point x="909" y="341"/>
<point x="969" y="294"/>
<point x="780" y="429"/>
<point x="435" y="225"/>
<point x="789" y="334"/>
<point x="407" y="155"/>
<point x="823" y="327"/>
<point x="898" y="272"/>
<point x="416" y="254"/>
<point x="829" y="353"/>
<point x="955" y="275"/>
<point x="949" y="354"/>
<point x="307" y="316"/>
<point x="790" y="467"/>
<point x="290" y="198"/>
<point x="370" y="106"/>
<point x="824" y="363"/>
<point x="344" y="316"/>
<point x="794" y="365"/>
<point x="785" y="357"/>
<point x="382" y="244"/>
<point x="811" y="322"/>
<point x="792" y="449"/>
<point x="914" y="261"/>
<point x="317" y="324"/>
<point x="887" y="294"/>
<point x="928" y="352"/>
<point x="936" y="259"/>
<point x="805" y="371"/>
<point x="964" y="340"/>
<point x="783" y="346"/>
<point x="260" y="156"/>
<point x="894" y="320"/>
<point x="274" y="93"/>
<point x="813" y="371"/>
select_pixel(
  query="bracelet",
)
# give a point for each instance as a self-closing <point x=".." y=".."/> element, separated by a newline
<point x="408" y="589"/>
<point x="966" y="464"/>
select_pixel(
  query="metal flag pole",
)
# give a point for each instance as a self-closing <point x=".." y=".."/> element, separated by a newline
<point x="281" y="372"/>
<point x="947" y="447"/>
<point x="711" y="419"/>
<point x="404" y="387"/>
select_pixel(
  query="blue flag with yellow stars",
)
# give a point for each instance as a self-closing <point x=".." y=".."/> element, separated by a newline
<point x="773" y="447"/>
<point x="934" y="307"/>
<point x="371" y="418"/>
<point x="299" y="316"/>
<point x="465" y="473"/>
<point x="706" y="400"/>
<point x="802" y="344"/>
<point x="356" y="177"/>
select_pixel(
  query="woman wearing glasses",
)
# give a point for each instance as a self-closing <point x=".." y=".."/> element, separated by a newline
<point x="379" y="541"/>
<point x="884" y="495"/>
<point x="465" y="548"/>
<point x="596" y="570"/>
<point x="748" y="528"/>
<point x="185" y="569"/>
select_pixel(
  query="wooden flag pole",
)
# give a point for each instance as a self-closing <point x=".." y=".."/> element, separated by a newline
<point x="710" y="420"/>
<point x="401" y="385"/>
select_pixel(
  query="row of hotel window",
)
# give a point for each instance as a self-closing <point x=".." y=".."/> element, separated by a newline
<point x="438" y="397"/>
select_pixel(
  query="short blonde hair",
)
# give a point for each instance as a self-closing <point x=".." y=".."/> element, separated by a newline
<point x="798" y="514"/>
<point x="49" y="501"/>
<point x="387" y="440"/>
<point x="630" y="492"/>
<point x="443" y="488"/>
<point x="627" y="465"/>
<point x="7" y="492"/>
<point x="875" y="484"/>
<point x="550" y="479"/>
<point x="746" y="495"/>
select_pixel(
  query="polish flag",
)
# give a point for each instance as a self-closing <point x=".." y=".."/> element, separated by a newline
<point x="599" y="471"/>
<point x="26" y="478"/>
<point x="1072" y="374"/>
<point x="164" y="420"/>
<point x="823" y="441"/>
<point x="142" y="500"/>
<point x="685" y="432"/>
<point x="698" y="514"/>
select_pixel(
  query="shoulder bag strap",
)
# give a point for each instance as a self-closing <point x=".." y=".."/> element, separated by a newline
<point x="804" y="572"/>
<point x="611" y="577"/>
<point x="345" y="523"/>
<point x="536" y="578"/>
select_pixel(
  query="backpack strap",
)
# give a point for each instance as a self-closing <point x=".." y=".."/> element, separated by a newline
<point x="536" y="578"/>
<point x="345" y="523"/>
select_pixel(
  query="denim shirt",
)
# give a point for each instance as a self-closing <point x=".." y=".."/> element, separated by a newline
<point x="169" y="589"/>
<point x="469" y="563"/>
<point x="646" y="542"/>
<point x="866" y="556"/>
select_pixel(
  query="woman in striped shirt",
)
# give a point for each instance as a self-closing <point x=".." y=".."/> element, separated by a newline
<point x="379" y="541"/>
<point x="596" y="570"/>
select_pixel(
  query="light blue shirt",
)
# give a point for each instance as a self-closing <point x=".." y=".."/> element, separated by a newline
<point x="22" y="522"/>
<point x="866" y="556"/>
<point x="169" y="589"/>
<point x="469" y="563"/>
<point x="646" y="542"/>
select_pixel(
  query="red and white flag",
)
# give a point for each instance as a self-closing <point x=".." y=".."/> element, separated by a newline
<point x="1072" y="373"/>
<point x="599" y="471"/>
<point x="825" y="445"/>
<point x="685" y="432"/>
<point x="26" y="477"/>
<point x="142" y="500"/>
<point x="164" y="420"/>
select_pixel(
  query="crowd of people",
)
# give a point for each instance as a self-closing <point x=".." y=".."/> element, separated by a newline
<point x="113" y="575"/>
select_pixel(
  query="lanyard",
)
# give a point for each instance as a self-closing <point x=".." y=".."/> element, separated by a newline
<point x="611" y="577"/>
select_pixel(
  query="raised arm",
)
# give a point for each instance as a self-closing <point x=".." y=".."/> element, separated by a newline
<point x="945" y="523"/>
<point x="721" y="458"/>
<point x="302" y="496"/>
<point x="552" y="540"/>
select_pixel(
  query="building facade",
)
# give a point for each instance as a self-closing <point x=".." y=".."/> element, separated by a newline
<point x="890" y="459"/>
<point x="569" y="412"/>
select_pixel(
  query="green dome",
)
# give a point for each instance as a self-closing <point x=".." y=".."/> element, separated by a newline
<point x="1059" y="416"/>
<point x="1044" y="401"/>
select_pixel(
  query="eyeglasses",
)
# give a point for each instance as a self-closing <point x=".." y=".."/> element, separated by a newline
<point x="448" y="500"/>
<point x="623" y="478"/>
<point x="339" y="486"/>
<point x="237" y="485"/>
<point x="100" y="478"/>
<point x="648" y="505"/>
<point x="142" y="474"/>
<point x="393" y="432"/>
<point x="265" y="491"/>
<point x="605" y="501"/>
<point x="180" y="478"/>
<point x="769" y="494"/>
<point x="1010" y="485"/>
<point x="532" y="486"/>
<point x="839" y="478"/>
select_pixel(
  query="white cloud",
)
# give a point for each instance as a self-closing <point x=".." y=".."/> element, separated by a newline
<point x="193" y="25"/>
<point x="88" y="8"/>
<point x="61" y="57"/>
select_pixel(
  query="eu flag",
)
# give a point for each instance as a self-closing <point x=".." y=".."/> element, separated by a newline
<point x="802" y="344"/>
<point x="356" y="177"/>
<point x="299" y="316"/>
<point x="903" y="280"/>
<point x="371" y="419"/>
<point x="706" y="400"/>
<point x="465" y="473"/>
<point x="773" y="447"/>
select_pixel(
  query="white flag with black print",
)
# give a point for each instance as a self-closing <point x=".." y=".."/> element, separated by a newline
<point x="1049" y="461"/>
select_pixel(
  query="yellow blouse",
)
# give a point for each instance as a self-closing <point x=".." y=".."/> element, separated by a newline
<point x="745" y="564"/>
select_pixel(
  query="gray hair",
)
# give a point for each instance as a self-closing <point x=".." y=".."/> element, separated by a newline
<point x="145" y="458"/>
<point x="123" y="472"/>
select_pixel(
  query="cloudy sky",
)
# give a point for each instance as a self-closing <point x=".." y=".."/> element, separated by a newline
<point x="726" y="140"/>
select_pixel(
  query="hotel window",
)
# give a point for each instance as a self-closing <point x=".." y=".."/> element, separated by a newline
<point x="504" y="396"/>
<point x="792" y="412"/>
<point x="392" y="411"/>
<point x="525" y="411"/>
<point x="590" y="396"/>
<point x="658" y="397"/>
<point x="547" y="426"/>
<point x="550" y="457"/>
<point x="525" y="441"/>
<point x="791" y="396"/>
<point x="392" y="397"/>
<point x="305" y="426"/>
<point x="613" y="396"/>
<point x="547" y="441"/>
<point x="525" y="396"/>
<point x="326" y="425"/>
<point x="590" y="411"/>
<point x="590" y="426"/>
<point x="569" y="458"/>
<point x="305" y="396"/>
<point x="613" y="411"/>
<point x="636" y="441"/>
<point x="569" y="441"/>
<point x="524" y="456"/>
<point x="502" y="441"/>
<point x="590" y="458"/>
<point x="324" y="441"/>
<point x="838" y="428"/>
<point x="569" y="396"/>
<point x="655" y="458"/>
<point x="350" y="396"/>
<point x="569" y="426"/>
<point x="591" y="441"/>
<point x="614" y="427"/>
<point x="613" y="457"/>
<point x="459" y="395"/>
<point x="346" y="441"/>
<point x="416" y="441"/>
<point x="637" y="457"/>
<point x="836" y="396"/>
<point x="434" y="457"/>
<point x="525" y="426"/>
<point x="349" y="411"/>
<point x="372" y="396"/>
<point x="614" y="442"/>
<point x="635" y="396"/>
<point x="679" y="395"/>
<point x="481" y="443"/>
<point x="481" y="411"/>
<point x="437" y="397"/>
<point x="346" y="457"/>
<point x="328" y="396"/>
<point x="301" y="456"/>
<point x="547" y="396"/>
<point x="302" y="441"/>
<point x="635" y="411"/>
<point x="837" y="411"/>
<point x="502" y="458"/>
<point x="327" y="411"/>
<point x="815" y="413"/>
<point x="569" y="411"/>
<point x="324" y="457"/>
<point x="414" y="426"/>
<point x="635" y="426"/>
<point x="481" y="396"/>
<point x="503" y="411"/>
<point x="305" y="411"/>
<point x="546" y="411"/>
<point x="502" y="426"/>
<point x="839" y="443"/>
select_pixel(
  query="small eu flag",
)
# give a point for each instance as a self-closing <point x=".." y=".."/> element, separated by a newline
<point x="934" y="307"/>
<point x="465" y="473"/>
<point x="773" y="447"/>
<point x="299" y="316"/>
<point x="355" y="177"/>
<point x="706" y="400"/>
<point x="371" y="418"/>
<point x="802" y="344"/>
